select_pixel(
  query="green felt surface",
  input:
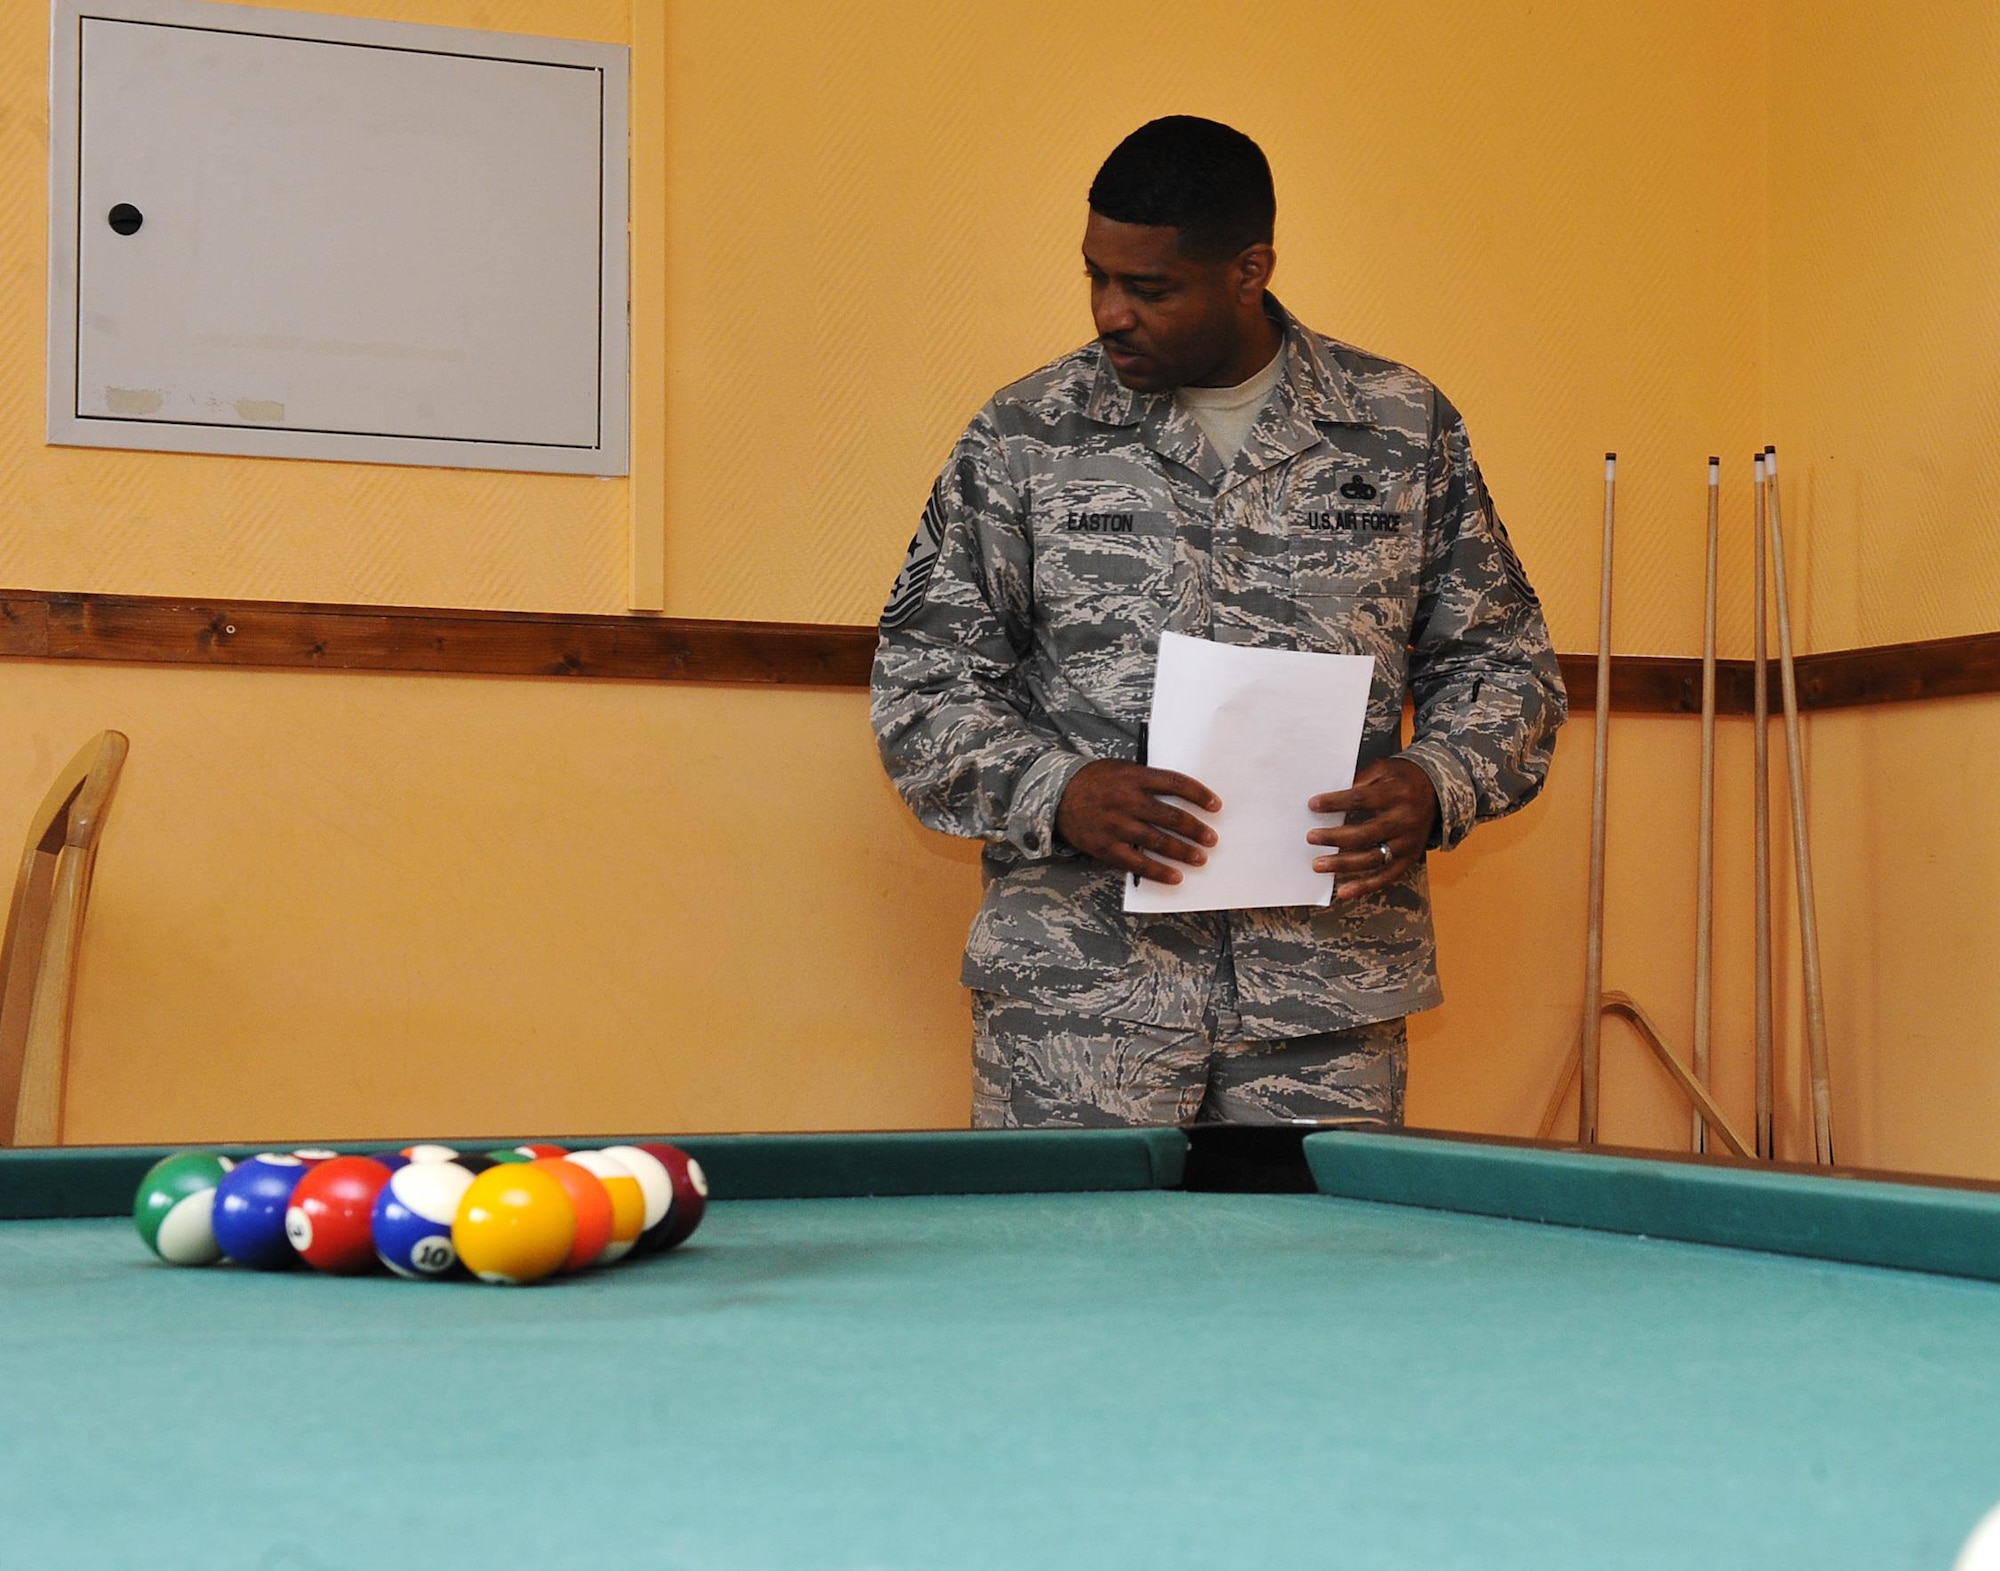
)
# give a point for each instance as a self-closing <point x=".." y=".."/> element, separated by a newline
<point x="1911" y="1226"/>
<point x="73" y="1181"/>
<point x="1139" y="1379"/>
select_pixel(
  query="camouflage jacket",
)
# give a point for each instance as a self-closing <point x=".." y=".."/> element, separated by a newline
<point x="1075" y="520"/>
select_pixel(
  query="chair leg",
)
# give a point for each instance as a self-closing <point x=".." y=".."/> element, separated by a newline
<point x="38" y="1113"/>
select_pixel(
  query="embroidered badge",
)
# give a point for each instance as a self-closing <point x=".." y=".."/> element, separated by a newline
<point x="1510" y="560"/>
<point x="915" y="578"/>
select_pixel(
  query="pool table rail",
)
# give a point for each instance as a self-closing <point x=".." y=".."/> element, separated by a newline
<point x="1905" y="1222"/>
<point x="85" y="1181"/>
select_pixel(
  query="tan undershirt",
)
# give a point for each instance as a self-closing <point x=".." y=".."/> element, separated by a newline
<point x="1226" y="414"/>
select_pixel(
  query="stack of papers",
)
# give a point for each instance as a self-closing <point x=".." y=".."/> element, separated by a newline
<point x="1266" y="730"/>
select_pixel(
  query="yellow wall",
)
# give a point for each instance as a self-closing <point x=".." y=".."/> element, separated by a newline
<point x="1884" y="395"/>
<point x="365" y="905"/>
<point x="1885" y="311"/>
<point x="1903" y="801"/>
<point x="388" y="904"/>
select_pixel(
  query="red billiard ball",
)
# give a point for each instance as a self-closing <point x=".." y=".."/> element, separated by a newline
<point x="330" y="1218"/>
<point x="527" y="1153"/>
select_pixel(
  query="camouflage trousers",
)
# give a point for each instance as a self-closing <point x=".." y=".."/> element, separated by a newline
<point x="1034" y="1067"/>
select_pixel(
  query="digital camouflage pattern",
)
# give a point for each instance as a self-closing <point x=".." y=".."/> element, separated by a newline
<point x="1075" y="521"/>
<point x="1037" y="1069"/>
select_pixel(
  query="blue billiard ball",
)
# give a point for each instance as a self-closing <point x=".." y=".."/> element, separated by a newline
<point x="250" y="1205"/>
<point x="413" y="1217"/>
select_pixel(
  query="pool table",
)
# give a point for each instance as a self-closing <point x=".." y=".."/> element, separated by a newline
<point x="1086" y="1349"/>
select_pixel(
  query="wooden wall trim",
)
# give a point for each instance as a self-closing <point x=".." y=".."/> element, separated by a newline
<point x="282" y="635"/>
<point x="1657" y="684"/>
<point x="1899" y="673"/>
<point x="160" y="630"/>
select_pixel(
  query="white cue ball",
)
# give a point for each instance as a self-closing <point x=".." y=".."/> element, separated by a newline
<point x="1982" y="1549"/>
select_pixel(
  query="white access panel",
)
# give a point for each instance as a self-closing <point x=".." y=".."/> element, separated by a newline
<point x="316" y="237"/>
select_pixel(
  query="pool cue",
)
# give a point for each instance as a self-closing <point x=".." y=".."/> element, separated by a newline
<point x="1822" y="1100"/>
<point x="1704" y="898"/>
<point x="1761" y="775"/>
<point x="1593" y="960"/>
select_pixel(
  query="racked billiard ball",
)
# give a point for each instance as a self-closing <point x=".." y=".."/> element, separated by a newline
<point x="174" y="1208"/>
<point x="690" y="1196"/>
<point x="591" y="1202"/>
<point x="412" y="1220"/>
<point x="331" y="1218"/>
<point x="628" y="1201"/>
<point x="515" y="1225"/>
<point x="527" y="1153"/>
<point x="250" y="1205"/>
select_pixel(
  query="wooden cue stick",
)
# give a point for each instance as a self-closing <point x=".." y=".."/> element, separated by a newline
<point x="1761" y="776"/>
<point x="1593" y="961"/>
<point x="1822" y="1100"/>
<point x="1704" y="899"/>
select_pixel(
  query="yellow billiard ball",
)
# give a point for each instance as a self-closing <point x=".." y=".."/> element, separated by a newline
<point x="515" y="1224"/>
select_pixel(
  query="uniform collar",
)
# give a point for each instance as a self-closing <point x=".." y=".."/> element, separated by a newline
<point x="1313" y="389"/>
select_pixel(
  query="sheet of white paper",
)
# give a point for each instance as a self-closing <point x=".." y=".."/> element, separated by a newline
<point x="1266" y="730"/>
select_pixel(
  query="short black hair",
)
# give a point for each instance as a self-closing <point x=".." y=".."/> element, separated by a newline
<point x="1203" y="178"/>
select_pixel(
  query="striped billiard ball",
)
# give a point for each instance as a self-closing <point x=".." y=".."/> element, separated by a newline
<point x="412" y="1220"/>
<point x="655" y="1183"/>
<point x="628" y="1201"/>
<point x="527" y="1153"/>
<point x="174" y="1209"/>
<point x="471" y="1161"/>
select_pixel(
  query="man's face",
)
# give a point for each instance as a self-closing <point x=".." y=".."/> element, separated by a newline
<point x="1165" y="319"/>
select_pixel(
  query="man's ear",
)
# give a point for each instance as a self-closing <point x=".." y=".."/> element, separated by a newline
<point x="1251" y="270"/>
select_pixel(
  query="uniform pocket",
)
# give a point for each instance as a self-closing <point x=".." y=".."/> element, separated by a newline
<point x="1332" y="561"/>
<point x="1355" y="535"/>
<point x="1095" y="548"/>
<point x="1103" y="582"/>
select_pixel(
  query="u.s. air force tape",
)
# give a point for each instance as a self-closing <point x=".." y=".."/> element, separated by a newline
<point x="915" y="578"/>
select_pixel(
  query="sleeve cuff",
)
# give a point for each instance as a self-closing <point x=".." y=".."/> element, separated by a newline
<point x="1031" y="816"/>
<point x="1458" y="803"/>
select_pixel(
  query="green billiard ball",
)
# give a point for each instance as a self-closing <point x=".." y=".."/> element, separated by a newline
<point x="175" y="1207"/>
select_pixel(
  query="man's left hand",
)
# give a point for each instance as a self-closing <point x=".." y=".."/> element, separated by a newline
<point x="1392" y="804"/>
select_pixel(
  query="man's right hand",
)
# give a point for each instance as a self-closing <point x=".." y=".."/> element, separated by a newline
<point x="1115" y="812"/>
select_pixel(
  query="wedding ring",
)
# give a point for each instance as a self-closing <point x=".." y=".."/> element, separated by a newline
<point x="1388" y="856"/>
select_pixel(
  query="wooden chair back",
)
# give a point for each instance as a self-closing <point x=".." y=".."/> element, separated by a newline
<point x="44" y="937"/>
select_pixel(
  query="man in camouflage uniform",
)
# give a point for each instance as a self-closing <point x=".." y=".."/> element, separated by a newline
<point x="1097" y="503"/>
